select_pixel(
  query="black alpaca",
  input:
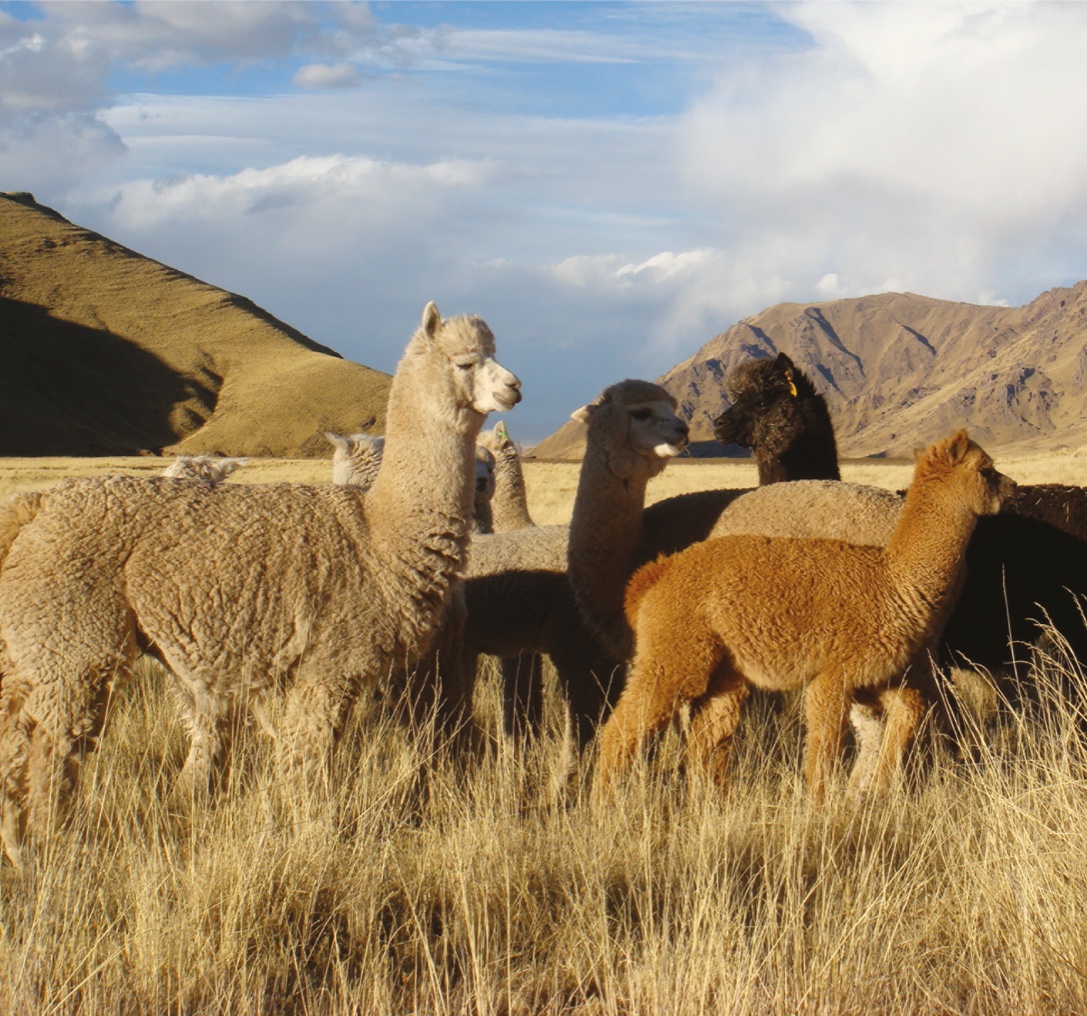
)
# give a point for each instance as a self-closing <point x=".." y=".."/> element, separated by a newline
<point x="1026" y="568"/>
<point x="778" y="414"/>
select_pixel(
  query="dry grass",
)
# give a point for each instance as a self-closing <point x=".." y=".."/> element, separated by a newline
<point x="964" y="892"/>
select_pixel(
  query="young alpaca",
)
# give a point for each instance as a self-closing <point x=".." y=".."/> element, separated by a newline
<point x="509" y="506"/>
<point x="833" y="618"/>
<point x="778" y="414"/>
<point x="209" y="468"/>
<point x="316" y="589"/>
<point x="357" y="459"/>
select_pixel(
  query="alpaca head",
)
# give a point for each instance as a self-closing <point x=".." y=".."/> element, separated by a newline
<point x="965" y="468"/>
<point x="498" y="441"/>
<point x="209" y="468"/>
<point x="357" y="458"/>
<point x="484" y="489"/>
<point x="764" y="395"/>
<point x="479" y="383"/>
<point x="778" y="414"/>
<point x="635" y="426"/>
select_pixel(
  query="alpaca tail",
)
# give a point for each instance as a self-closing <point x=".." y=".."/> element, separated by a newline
<point x="20" y="509"/>
<point x="640" y="583"/>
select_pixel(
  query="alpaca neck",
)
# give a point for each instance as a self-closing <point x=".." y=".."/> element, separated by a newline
<point x="926" y="552"/>
<point x="483" y="518"/>
<point x="420" y="507"/>
<point x="606" y="538"/>
<point x="509" y="506"/>
<point x="811" y="455"/>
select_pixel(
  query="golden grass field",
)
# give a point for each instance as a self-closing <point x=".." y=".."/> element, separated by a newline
<point x="965" y="892"/>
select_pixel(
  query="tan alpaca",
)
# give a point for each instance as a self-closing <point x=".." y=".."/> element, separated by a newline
<point x="835" y="619"/>
<point x="243" y="591"/>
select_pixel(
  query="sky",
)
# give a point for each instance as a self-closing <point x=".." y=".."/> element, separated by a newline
<point x="609" y="185"/>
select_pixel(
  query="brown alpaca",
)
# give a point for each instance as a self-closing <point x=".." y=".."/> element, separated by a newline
<point x="837" y="620"/>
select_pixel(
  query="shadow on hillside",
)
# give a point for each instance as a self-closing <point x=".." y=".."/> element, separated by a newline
<point x="66" y="389"/>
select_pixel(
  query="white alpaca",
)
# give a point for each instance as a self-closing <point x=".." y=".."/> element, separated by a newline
<point x="241" y="590"/>
<point x="210" y="468"/>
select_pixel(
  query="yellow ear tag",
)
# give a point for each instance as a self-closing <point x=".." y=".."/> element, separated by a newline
<point x="792" y="387"/>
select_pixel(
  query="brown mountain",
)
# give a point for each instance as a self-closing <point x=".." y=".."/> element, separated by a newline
<point x="900" y="370"/>
<point x="104" y="351"/>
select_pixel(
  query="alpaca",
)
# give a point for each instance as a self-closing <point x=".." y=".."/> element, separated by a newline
<point x="522" y="673"/>
<point x="356" y="459"/>
<point x="833" y="618"/>
<point x="777" y="412"/>
<point x="210" y="468"/>
<point x="632" y="431"/>
<point x="509" y="506"/>
<point x="520" y="598"/>
<point x="316" y="590"/>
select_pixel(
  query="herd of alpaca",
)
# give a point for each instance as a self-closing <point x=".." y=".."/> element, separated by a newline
<point x="421" y="556"/>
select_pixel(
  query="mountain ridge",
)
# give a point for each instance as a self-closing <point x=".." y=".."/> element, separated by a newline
<point x="899" y="370"/>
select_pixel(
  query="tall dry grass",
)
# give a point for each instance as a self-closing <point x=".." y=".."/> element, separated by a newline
<point x="480" y="890"/>
<point x="964" y="892"/>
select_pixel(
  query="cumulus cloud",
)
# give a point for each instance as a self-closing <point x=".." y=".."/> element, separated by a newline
<point x="913" y="143"/>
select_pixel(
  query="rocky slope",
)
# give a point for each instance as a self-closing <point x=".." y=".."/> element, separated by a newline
<point x="900" y="370"/>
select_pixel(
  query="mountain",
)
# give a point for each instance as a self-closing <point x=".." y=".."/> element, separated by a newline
<point x="107" y="352"/>
<point x="900" y="370"/>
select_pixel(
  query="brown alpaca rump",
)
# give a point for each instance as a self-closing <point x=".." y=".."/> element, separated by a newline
<point x="837" y="620"/>
<point x="640" y="583"/>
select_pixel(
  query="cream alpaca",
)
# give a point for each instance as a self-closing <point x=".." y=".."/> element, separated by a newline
<point x="835" y="619"/>
<point x="242" y="590"/>
<point x="210" y="468"/>
<point x="509" y="506"/>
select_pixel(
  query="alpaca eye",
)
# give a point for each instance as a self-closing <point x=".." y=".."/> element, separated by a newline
<point x="465" y="366"/>
<point x="641" y="414"/>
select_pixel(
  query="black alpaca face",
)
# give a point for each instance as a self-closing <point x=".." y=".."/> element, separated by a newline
<point x="757" y="389"/>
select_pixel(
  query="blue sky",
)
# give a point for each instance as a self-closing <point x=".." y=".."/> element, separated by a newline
<point x="608" y="184"/>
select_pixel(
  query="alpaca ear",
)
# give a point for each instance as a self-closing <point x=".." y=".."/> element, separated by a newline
<point x="500" y="431"/>
<point x="432" y="320"/>
<point x="786" y="366"/>
<point x="582" y="415"/>
<point x="957" y="447"/>
<point x="337" y="440"/>
<point x="791" y="383"/>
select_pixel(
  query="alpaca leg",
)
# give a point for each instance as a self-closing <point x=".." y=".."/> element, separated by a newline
<point x="206" y="748"/>
<point x="44" y="737"/>
<point x="647" y="705"/>
<point x="314" y="711"/>
<point x="589" y="680"/>
<point x="715" y="719"/>
<point x="15" y="739"/>
<point x="826" y="713"/>
<point x="522" y="695"/>
<point x="903" y="710"/>
<point x="866" y="718"/>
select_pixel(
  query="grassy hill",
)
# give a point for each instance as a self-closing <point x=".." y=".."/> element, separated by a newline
<point x="107" y="352"/>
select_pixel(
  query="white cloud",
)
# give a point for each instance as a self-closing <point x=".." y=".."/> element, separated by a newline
<point x="339" y="75"/>
<point x="922" y="143"/>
